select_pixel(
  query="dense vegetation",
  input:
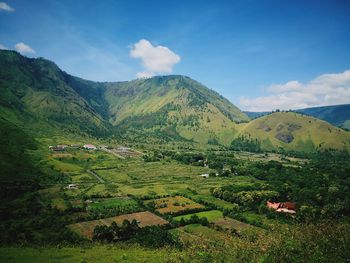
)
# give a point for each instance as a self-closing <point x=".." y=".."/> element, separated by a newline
<point x="213" y="194"/>
<point x="320" y="188"/>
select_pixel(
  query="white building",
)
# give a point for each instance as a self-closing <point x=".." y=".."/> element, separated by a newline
<point x="72" y="186"/>
<point x="204" y="175"/>
<point x="89" y="147"/>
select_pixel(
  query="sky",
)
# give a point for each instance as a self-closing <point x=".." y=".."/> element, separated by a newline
<point x="261" y="55"/>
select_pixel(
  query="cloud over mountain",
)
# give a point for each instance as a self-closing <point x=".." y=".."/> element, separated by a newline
<point x="326" y="89"/>
<point x="155" y="59"/>
<point x="24" y="48"/>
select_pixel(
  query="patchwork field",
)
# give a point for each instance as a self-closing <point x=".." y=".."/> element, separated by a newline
<point x="222" y="204"/>
<point x="173" y="205"/>
<point x="133" y="176"/>
<point x="121" y="205"/>
<point x="212" y="215"/>
<point x="146" y="218"/>
<point x="108" y="187"/>
<point x="112" y="202"/>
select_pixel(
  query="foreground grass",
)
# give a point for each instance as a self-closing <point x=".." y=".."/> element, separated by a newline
<point x="99" y="254"/>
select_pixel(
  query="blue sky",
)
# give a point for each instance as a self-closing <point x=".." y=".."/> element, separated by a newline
<point x="261" y="55"/>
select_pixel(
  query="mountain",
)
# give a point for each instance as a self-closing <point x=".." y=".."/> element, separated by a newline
<point x="256" y="114"/>
<point x="40" y="99"/>
<point x="36" y="91"/>
<point x="168" y="107"/>
<point x="173" y="105"/>
<point x="293" y="132"/>
<point x="338" y="115"/>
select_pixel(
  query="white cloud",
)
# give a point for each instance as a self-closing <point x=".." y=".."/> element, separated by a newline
<point x="289" y="86"/>
<point x="6" y="7"/>
<point x="326" y="89"/>
<point x="155" y="59"/>
<point x="23" y="48"/>
<point x="144" y="74"/>
<point x="3" y="47"/>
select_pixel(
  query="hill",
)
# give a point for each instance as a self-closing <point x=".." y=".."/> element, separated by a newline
<point x="174" y="106"/>
<point x="294" y="132"/>
<point x="256" y="114"/>
<point x="41" y="99"/>
<point x="338" y="115"/>
<point x="36" y="92"/>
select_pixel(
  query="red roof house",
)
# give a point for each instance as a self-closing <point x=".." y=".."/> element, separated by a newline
<point x="285" y="207"/>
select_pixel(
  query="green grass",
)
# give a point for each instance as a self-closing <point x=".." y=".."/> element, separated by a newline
<point x="198" y="233"/>
<point x="221" y="204"/>
<point x="308" y="133"/>
<point x="59" y="203"/>
<point x="212" y="215"/>
<point x="83" y="178"/>
<point x="98" y="254"/>
<point x="252" y="217"/>
<point x="113" y="202"/>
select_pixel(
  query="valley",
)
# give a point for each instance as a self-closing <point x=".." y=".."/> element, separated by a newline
<point x="162" y="169"/>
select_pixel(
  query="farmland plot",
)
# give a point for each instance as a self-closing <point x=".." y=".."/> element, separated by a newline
<point x="144" y="219"/>
<point x="173" y="205"/>
<point x="211" y="215"/>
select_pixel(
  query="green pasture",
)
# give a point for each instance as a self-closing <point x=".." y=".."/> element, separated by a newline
<point x="211" y="215"/>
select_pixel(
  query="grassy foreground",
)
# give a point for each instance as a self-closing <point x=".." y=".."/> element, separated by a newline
<point x="99" y="254"/>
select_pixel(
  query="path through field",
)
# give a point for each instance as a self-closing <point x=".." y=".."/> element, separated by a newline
<point x="95" y="174"/>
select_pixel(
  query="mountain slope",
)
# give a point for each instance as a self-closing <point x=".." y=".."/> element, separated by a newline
<point x="338" y="115"/>
<point x="37" y="90"/>
<point x="35" y="95"/>
<point x="295" y="132"/>
<point x="174" y="105"/>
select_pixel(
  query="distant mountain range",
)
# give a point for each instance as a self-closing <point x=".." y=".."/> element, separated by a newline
<point x="41" y="99"/>
<point x="338" y="115"/>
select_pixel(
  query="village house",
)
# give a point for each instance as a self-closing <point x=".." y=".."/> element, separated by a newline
<point x="123" y="149"/>
<point x="204" y="175"/>
<point x="89" y="147"/>
<point x="72" y="187"/>
<point x="285" y="207"/>
<point x="58" y="148"/>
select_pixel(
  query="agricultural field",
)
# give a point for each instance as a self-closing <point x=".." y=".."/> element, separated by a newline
<point x="212" y="215"/>
<point x="101" y="173"/>
<point x="144" y="219"/>
<point x="104" y="207"/>
<point x="107" y="203"/>
<point x="54" y="196"/>
<point x="198" y="233"/>
<point x="227" y="223"/>
<point x="266" y="157"/>
<point x="173" y="205"/>
<point x="220" y="204"/>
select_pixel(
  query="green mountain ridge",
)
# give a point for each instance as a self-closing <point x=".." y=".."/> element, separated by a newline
<point x="169" y="106"/>
<point x="291" y="131"/>
<point x="172" y="104"/>
<point x="37" y="89"/>
<point x="337" y="115"/>
<point x="39" y="98"/>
